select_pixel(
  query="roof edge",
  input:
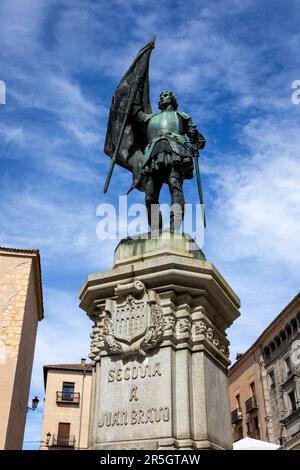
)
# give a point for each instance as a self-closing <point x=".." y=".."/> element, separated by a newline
<point x="79" y="368"/>
<point x="259" y="340"/>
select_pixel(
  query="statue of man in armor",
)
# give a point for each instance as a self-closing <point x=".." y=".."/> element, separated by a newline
<point x="168" y="156"/>
<point x="156" y="148"/>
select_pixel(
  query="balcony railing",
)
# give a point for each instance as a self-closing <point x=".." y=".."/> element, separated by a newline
<point x="251" y="404"/>
<point x="290" y="441"/>
<point x="236" y="416"/>
<point x="288" y="416"/>
<point x="61" y="441"/>
<point x="68" y="397"/>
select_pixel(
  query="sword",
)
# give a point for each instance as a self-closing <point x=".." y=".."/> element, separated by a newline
<point x="196" y="159"/>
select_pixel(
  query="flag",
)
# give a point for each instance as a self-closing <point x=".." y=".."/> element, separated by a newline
<point x="130" y="151"/>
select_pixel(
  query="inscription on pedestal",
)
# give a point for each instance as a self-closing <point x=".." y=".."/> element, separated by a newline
<point x="137" y="401"/>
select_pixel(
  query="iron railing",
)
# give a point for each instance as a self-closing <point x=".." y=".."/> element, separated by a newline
<point x="236" y="415"/>
<point x="68" y="397"/>
<point x="62" y="441"/>
<point x="251" y="404"/>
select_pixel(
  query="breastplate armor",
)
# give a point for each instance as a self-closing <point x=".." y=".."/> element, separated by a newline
<point x="166" y="122"/>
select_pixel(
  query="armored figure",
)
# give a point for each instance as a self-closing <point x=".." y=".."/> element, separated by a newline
<point x="156" y="148"/>
<point x="167" y="156"/>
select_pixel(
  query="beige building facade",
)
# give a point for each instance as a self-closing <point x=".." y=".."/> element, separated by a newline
<point x="21" y="307"/>
<point x="67" y="406"/>
<point x="264" y="383"/>
<point x="247" y="398"/>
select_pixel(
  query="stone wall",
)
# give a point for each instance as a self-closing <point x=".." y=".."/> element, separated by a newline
<point x="19" y="314"/>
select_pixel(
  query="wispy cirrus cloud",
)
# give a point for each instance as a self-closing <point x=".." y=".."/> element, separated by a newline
<point x="254" y="224"/>
<point x="261" y="197"/>
<point x="62" y="228"/>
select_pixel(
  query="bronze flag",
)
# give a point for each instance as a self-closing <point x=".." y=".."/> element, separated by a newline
<point x="120" y="144"/>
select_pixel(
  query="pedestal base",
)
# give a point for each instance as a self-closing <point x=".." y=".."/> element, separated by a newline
<point x="159" y="348"/>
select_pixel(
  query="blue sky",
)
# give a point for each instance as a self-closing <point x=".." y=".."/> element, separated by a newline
<point x="231" y="64"/>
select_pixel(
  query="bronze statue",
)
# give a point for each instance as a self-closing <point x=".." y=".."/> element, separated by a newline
<point x="153" y="147"/>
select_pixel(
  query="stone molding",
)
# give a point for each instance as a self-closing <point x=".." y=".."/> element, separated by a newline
<point x="162" y="323"/>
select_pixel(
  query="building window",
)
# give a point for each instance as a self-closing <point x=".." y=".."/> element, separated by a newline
<point x="67" y="395"/>
<point x="288" y="330"/>
<point x="294" y="324"/>
<point x="277" y="341"/>
<point x="282" y="335"/>
<point x="255" y="423"/>
<point x="248" y="428"/>
<point x="272" y="378"/>
<point x="237" y="432"/>
<point x="252" y="387"/>
<point x="288" y="365"/>
<point x="251" y="403"/>
<point x="256" y="427"/>
<point x="63" y="434"/>
<point x="267" y="352"/>
<point x="68" y="391"/>
<point x="63" y="438"/>
<point x="292" y="401"/>
<point x="238" y="401"/>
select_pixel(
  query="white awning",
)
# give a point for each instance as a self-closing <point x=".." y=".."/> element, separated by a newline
<point x="248" y="443"/>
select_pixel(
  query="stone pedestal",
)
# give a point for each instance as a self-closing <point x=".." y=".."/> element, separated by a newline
<point x="159" y="348"/>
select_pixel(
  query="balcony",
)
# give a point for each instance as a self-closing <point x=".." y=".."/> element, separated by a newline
<point x="290" y="441"/>
<point x="63" y="441"/>
<point x="251" y="404"/>
<point x="236" y="416"/>
<point x="289" y="377"/>
<point x="292" y="414"/>
<point x="68" y="397"/>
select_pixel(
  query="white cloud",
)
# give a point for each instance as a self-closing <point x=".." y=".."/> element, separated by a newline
<point x="20" y="23"/>
<point x="258" y="202"/>
<point x="61" y="226"/>
<point x="253" y="224"/>
<point x="11" y="134"/>
<point x="64" y="98"/>
<point x="71" y="168"/>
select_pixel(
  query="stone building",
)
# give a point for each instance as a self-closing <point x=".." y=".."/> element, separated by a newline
<point x="247" y="397"/>
<point x="67" y="406"/>
<point x="21" y="307"/>
<point x="281" y="362"/>
<point x="264" y="383"/>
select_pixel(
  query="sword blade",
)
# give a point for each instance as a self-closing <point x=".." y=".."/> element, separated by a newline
<point x="196" y="159"/>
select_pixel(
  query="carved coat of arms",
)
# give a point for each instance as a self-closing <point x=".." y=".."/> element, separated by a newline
<point x="133" y="323"/>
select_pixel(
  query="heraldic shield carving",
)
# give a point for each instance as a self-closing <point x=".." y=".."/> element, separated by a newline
<point x="133" y="323"/>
